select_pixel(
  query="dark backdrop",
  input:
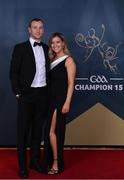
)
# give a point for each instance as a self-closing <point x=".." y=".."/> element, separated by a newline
<point x="69" y="17"/>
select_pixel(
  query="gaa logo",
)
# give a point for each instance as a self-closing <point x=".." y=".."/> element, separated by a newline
<point x="98" y="79"/>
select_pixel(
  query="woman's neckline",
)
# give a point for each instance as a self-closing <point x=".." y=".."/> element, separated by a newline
<point x="57" y="61"/>
<point x="60" y="57"/>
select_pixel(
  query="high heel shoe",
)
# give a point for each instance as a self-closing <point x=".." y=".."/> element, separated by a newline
<point x="53" y="171"/>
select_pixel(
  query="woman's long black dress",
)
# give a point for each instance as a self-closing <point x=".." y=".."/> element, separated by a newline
<point x="58" y="93"/>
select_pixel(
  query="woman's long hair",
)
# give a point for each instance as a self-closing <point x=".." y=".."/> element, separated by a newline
<point x="52" y="54"/>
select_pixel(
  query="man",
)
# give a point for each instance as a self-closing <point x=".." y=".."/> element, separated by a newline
<point x="29" y="78"/>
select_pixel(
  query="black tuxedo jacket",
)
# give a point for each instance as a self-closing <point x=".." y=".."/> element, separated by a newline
<point x="23" y="69"/>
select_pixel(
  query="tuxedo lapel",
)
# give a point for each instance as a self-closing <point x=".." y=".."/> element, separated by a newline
<point x="47" y="62"/>
<point x="45" y="53"/>
<point x="30" y="51"/>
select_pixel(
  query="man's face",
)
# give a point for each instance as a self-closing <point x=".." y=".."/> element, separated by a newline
<point x="36" y="30"/>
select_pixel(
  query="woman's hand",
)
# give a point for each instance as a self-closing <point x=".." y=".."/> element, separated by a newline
<point x="65" y="108"/>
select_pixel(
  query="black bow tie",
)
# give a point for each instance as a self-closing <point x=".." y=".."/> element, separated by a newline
<point x="37" y="44"/>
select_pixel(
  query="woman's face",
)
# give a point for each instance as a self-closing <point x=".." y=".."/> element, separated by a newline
<point x="57" y="44"/>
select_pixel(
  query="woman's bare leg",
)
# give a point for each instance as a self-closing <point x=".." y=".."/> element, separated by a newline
<point x="53" y="140"/>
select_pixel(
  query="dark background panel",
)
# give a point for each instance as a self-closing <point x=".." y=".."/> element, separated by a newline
<point x="69" y="17"/>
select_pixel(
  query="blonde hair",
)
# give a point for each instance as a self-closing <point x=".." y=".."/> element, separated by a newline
<point x="52" y="54"/>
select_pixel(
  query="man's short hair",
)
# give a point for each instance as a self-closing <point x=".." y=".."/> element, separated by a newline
<point x="35" y="19"/>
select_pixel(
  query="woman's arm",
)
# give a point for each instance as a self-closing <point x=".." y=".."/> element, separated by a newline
<point x="71" y="71"/>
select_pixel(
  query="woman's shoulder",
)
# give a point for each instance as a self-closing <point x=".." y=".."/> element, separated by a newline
<point x="69" y="60"/>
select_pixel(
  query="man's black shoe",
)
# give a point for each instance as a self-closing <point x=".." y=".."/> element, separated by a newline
<point x="23" y="174"/>
<point x="37" y="167"/>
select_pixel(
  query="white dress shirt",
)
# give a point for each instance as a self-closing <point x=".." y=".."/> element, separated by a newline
<point x="40" y="75"/>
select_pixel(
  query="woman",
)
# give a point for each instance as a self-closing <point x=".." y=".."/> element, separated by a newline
<point x="62" y="76"/>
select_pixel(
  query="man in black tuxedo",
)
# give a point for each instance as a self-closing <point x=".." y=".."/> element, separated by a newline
<point x="29" y="78"/>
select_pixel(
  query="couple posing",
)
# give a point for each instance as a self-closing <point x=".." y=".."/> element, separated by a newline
<point x="42" y="80"/>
